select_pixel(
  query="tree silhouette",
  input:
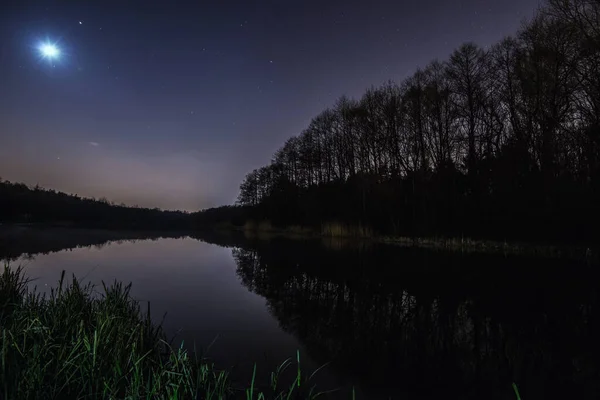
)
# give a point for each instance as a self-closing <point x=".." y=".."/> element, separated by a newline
<point x="21" y="204"/>
<point x="500" y="142"/>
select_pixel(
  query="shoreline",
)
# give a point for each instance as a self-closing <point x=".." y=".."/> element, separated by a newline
<point x="329" y="232"/>
<point x="582" y="252"/>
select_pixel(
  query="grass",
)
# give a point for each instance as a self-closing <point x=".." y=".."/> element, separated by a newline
<point x="333" y="230"/>
<point x="80" y="343"/>
<point x="516" y="389"/>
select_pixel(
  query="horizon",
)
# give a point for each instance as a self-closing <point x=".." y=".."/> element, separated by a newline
<point x="172" y="110"/>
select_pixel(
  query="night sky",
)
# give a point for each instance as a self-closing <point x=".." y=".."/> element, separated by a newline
<point x="170" y="103"/>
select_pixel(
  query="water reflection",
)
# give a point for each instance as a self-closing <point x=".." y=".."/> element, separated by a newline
<point x="194" y="283"/>
<point x="399" y="323"/>
<point x="406" y="322"/>
<point x="26" y="242"/>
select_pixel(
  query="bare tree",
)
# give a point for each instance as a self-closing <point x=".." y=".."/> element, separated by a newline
<point x="466" y="73"/>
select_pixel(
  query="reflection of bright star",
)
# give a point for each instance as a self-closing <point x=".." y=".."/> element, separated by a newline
<point x="49" y="50"/>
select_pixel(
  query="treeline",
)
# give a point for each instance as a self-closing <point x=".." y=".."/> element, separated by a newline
<point x="22" y="204"/>
<point x="501" y="142"/>
<point x="221" y="216"/>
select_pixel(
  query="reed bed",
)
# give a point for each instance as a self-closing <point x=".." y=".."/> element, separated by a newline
<point x="87" y="342"/>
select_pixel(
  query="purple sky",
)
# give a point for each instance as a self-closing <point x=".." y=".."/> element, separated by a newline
<point x="170" y="104"/>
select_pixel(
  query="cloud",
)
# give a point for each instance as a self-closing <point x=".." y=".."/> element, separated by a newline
<point x="94" y="144"/>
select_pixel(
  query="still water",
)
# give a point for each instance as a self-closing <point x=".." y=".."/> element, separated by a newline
<point x="393" y="322"/>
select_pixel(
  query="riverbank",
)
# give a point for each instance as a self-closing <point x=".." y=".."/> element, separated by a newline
<point x="339" y="232"/>
<point x="17" y="240"/>
<point x="98" y="343"/>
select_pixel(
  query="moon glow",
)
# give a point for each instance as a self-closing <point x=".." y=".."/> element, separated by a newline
<point x="49" y="50"/>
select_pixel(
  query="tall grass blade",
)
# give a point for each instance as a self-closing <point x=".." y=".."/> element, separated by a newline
<point x="516" y="389"/>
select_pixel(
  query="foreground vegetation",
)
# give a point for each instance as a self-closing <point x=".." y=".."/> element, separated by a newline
<point x="78" y="343"/>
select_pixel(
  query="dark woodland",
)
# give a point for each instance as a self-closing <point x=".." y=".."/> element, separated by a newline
<point x="20" y="204"/>
<point x="500" y="143"/>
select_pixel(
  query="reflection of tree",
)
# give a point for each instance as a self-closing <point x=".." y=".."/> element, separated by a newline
<point x="247" y="262"/>
<point x="391" y="324"/>
<point x="32" y="241"/>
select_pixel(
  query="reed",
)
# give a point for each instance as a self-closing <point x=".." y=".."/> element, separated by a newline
<point x="87" y="342"/>
<point x="334" y="229"/>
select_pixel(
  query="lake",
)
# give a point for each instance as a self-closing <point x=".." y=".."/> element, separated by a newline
<point x="394" y="322"/>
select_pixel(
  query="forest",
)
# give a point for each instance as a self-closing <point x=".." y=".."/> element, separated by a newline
<point x="500" y="142"/>
<point x="22" y="204"/>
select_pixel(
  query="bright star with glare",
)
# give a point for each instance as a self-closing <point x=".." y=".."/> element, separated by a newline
<point x="49" y="50"/>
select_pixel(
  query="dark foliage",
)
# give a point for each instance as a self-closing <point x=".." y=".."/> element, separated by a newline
<point x="501" y="143"/>
<point x="484" y="322"/>
<point x="22" y="204"/>
<point x="225" y="215"/>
